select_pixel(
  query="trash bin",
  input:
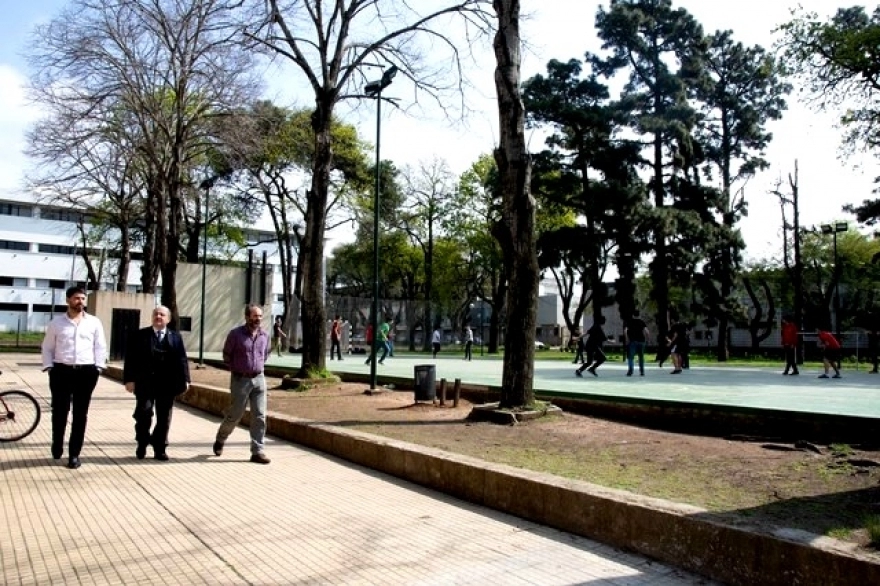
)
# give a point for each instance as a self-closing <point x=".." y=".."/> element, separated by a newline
<point x="425" y="382"/>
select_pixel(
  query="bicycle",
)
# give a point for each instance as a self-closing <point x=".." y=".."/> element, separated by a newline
<point x="19" y="415"/>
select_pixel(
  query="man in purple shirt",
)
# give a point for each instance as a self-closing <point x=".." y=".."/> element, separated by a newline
<point x="245" y="352"/>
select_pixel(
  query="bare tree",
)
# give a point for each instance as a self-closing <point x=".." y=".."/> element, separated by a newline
<point x="429" y="195"/>
<point x="94" y="174"/>
<point x="516" y="229"/>
<point x="333" y="44"/>
<point x="170" y="67"/>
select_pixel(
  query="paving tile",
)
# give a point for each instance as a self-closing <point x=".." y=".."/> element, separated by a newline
<point x="304" y="519"/>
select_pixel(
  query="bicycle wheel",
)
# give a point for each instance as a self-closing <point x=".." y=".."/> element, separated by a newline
<point x="19" y="415"/>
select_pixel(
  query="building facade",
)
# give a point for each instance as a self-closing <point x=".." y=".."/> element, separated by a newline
<point x="39" y="259"/>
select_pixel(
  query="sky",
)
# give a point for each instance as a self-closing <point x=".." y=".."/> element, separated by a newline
<point x="553" y="29"/>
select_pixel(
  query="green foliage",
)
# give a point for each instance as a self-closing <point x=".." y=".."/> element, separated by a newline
<point x="837" y="60"/>
<point x="872" y="525"/>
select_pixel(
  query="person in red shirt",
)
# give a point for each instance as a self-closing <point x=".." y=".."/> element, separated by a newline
<point x="789" y="344"/>
<point x="830" y="353"/>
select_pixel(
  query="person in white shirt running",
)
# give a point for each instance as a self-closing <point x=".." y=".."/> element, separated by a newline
<point x="74" y="354"/>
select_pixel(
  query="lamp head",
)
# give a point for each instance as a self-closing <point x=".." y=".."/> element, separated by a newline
<point x="375" y="88"/>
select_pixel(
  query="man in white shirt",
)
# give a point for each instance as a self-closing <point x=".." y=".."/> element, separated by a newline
<point x="74" y="354"/>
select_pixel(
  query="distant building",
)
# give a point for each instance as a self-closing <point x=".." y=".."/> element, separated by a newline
<point x="39" y="259"/>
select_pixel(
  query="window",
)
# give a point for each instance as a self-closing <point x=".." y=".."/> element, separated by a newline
<point x="61" y="215"/>
<point x="56" y="249"/>
<point x="40" y="308"/>
<point x="13" y="307"/>
<point x="19" y="282"/>
<point x="184" y="323"/>
<point x="6" y="281"/>
<point x="57" y="284"/>
<point x="14" y="209"/>
<point x="42" y="283"/>
<point x="12" y="245"/>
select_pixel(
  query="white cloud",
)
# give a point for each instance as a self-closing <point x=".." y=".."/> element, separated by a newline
<point x="15" y="117"/>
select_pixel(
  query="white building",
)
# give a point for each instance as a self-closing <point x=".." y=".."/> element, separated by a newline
<point x="39" y="260"/>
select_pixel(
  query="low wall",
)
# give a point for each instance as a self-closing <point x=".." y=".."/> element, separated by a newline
<point x="681" y="535"/>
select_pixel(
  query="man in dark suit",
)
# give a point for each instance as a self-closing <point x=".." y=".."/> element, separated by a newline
<point x="156" y="370"/>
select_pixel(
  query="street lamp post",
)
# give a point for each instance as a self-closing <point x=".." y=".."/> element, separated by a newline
<point x="833" y="229"/>
<point x="374" y="90"/>
<point x="482" y="322"/>
<point x="207" y="184"/>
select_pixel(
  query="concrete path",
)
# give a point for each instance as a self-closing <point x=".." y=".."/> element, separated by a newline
<point x="856" y="394"/>
<point x="304" y="519"/>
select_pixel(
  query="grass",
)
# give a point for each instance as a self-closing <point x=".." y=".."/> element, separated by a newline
<point x="21" y="338"/>
<point x="872" y="524"/>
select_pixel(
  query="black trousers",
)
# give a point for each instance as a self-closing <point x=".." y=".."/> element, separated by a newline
<point x="468" y="350"/>
<point x="335" y="345"/>
<point x="145" y="405"/>
<point x="791" y="358"/>
<point x="71" y="386"/>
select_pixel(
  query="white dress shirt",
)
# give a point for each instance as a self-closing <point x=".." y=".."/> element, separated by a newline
<point x="71" y="343"/>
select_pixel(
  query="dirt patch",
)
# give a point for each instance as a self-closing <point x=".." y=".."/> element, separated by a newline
<point x="759" y="482"/>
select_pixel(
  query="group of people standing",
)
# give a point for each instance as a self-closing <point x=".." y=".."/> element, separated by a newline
<point x="156" y="371"/>
<point x="590" y="353"/>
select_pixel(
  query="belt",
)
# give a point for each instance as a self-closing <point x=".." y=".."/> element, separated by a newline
<point x="246" y="374"/>
<point x="72" y="366"/>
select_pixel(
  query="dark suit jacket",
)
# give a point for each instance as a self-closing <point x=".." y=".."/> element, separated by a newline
<point x="154" y="377"/>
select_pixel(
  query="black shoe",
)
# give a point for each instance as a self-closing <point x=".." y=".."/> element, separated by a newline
<point x="74" y="463"/>
<point x="260" y="459"/>
<point x="57" y="452"/>
<point x="795" y="373"/>
<point x="629" y="373"/>
<point x="676" y="371"/>
<point x="785" y="373"/>
<point x="162" y="457"/>
<point x="578" y="373"/>
<point x="591" y="371"/>
<point x="141" y="452"/>
<point x="218" y="448"/>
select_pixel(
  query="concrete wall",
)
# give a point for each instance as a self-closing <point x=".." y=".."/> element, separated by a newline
<point x="102" y="303"/>
<point x="224" y="302"/>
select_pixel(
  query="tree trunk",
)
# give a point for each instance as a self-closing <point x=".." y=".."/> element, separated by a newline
<point x="152" y="260"/>
<point x="516" y="229"/>
<point x="312" y="247"/>
<point x="659" y="268"/>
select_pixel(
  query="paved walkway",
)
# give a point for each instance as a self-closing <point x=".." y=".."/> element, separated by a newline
<point x="856" y="394"/>
<point x="304" y="519"/>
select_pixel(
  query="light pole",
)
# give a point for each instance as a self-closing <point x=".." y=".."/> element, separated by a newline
<point x="207" y="184"/>
<point x="374" y="90"/>
<point x="833" y="229"/>
<point x="482" y="322"/>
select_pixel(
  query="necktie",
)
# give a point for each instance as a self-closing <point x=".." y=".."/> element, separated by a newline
<point x="159" y="337"/>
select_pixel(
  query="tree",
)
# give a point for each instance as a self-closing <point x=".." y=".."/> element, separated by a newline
<point x="96" y="175"/>
<point x="837" y="60"/>
<point x="660" y="48"/>
<point x="586" y="168"/>
<point x="429" y="196"/>
<point x="267" y="148"/>
<point x="477" y="210"/>
<point x="740" y="92"/>
<point x="332" y="44"/>
<point x="789" y="204"/>
<point x="515" y="230"/>
<point x="171" y="67"/>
